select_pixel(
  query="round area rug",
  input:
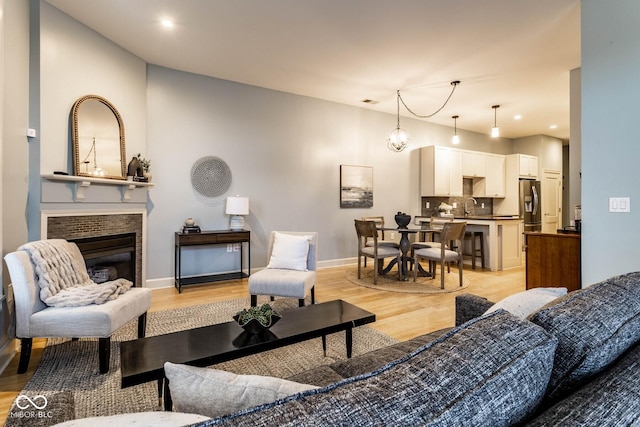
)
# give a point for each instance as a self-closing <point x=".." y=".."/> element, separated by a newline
<point x="424" y="285"/>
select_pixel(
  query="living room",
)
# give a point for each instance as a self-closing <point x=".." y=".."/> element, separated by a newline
<point x="271" y="144"/>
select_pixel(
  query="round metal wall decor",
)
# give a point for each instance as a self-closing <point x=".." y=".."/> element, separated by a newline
<point x="210" y="176"/>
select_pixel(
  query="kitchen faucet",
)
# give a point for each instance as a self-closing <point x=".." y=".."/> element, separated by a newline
<point x="466" y="211"/>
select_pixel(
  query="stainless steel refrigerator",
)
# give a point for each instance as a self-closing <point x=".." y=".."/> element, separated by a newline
<point x="530" y="200"/>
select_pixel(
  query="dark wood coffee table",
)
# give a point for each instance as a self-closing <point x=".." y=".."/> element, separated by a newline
<point x="142" y="360"/>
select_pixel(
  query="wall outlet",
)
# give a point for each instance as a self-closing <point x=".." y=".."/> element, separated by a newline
<point x="427" y="205"/>
<point x="230" y="247"/>
<point x="482" y="205"/>
<point x="393" y="235"/>
<point x="236" y="247"/>
<point x="454" y="204"/>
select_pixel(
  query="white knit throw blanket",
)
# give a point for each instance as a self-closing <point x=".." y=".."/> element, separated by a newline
<point x="63" y="278"/>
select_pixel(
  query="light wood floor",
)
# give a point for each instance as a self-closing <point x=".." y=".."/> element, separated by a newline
<point x="402" y="316"/>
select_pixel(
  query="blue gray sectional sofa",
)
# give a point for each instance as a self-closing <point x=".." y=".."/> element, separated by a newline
<point x="576" y="361"/>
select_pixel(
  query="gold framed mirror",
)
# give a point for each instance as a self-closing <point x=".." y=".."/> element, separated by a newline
<point x="98" y="139"/>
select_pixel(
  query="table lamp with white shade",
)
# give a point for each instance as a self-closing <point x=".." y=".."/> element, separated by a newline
<point x="237" y="207"/>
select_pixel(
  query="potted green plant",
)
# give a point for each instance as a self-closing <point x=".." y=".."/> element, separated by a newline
<point x="257" y="319"/>
<point x="146" y="166"/>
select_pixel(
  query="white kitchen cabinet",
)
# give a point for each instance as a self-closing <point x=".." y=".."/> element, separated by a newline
<point x="528" y="166"/>
<point x="493" y="184"/>
<point x="440" y="171"/>
<point x="495" y="176"/>
<point x="473" y="164"/>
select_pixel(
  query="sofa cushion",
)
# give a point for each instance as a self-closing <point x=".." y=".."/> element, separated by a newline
<point x="594" y="326"/>
<point x="373" y="360"/>
<point x="610" y="399"/>
<point x="491" y="371"/>
<point x="214" y="393"/>
<point x="525" y="303"/>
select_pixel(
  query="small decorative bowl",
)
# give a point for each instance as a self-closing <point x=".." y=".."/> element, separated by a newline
<point x="253" y="326"/>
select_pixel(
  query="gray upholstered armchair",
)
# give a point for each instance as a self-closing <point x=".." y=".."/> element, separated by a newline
<point x="34" y="318"/>
<point x="291" y="271"/>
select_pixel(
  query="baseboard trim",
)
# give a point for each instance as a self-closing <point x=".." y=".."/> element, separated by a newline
<point x="168" y="282"/>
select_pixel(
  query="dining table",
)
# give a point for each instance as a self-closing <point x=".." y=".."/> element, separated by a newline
<point x="405" y="248"/>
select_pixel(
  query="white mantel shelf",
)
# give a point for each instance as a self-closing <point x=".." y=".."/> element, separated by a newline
<point x="82" y="183"/>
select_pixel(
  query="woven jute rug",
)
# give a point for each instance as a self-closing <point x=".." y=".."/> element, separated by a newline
<point x="423" y="285"/>
<point x="72" y="366"/>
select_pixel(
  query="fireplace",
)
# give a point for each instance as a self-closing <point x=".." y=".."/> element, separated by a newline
<point x="109" y="257"/>
<point x="111" y="243"/>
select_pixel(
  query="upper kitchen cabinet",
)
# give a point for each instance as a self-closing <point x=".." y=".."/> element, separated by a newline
<point x="493" y="185"/>
<point x="528" y="166"/>
<point x="440" y="171"/>
<point x="473" y="164"/>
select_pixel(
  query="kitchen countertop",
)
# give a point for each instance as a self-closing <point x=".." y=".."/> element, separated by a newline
<point x="419" y="219"/>
<point x="490" y="217"/>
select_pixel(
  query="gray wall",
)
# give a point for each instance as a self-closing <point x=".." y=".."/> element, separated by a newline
<point x="610" y="149"/>
<point x="284" y="152"/>
<point x="14" y="75"/>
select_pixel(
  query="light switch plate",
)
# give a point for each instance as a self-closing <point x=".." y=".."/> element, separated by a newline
<point x="619" y="204"/>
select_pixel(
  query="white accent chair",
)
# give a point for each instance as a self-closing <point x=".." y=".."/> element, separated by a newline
<point x="35" y="319"/>
<point x="293" y="281"/>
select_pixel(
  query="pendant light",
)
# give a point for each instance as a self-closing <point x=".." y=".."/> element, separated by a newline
<point x="398" y="138"/>
<point x="456" y="138"/>
<point x="495" y="130"/>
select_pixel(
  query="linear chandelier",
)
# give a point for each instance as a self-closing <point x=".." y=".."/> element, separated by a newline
<point x="399" y="138"/>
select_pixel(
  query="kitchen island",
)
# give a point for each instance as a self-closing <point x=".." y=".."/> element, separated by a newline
<point x="502" y="238"/>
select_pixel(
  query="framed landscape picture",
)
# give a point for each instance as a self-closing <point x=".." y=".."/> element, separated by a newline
<point x="356" y="186"/>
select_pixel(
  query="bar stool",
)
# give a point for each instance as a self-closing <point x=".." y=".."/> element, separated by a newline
<point x="476" y="236"/>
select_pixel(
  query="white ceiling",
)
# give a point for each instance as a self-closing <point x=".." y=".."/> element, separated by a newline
<point x="515" y="53"/>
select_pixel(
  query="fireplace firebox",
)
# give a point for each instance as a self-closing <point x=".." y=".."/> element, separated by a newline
<point x="109" y="257"/>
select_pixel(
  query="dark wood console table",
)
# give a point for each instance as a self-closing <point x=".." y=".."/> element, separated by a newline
<point x="214" y="237"/>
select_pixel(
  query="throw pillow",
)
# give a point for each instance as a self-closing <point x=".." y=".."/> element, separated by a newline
<point x="524" y="303"/>
<point x="594" y="327"/>
<point x="289" y="251"/>
<point x="214" y="393"/>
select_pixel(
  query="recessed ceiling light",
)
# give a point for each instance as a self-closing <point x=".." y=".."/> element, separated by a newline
<point x="517" y="117"/>
<point x="553" y="127"/>
<point x="167" y="23"/>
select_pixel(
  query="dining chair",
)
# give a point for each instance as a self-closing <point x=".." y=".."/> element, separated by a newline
<point x="367" y="230"/>
<point x="379" y="220"/>
<point x="435" y="228"/>
<point x="452" y="231"/>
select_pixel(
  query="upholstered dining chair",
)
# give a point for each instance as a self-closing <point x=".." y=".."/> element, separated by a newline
<point x="451" y="232"/>
<point x="36" y="319"/>
<point x="435" y="226"/>
<point x="379" y="220"/>
<point x="367" y="230"/>
<point x="291" y="271"/>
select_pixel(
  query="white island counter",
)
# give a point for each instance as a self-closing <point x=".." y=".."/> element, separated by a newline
<point x="502" y="239"/>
